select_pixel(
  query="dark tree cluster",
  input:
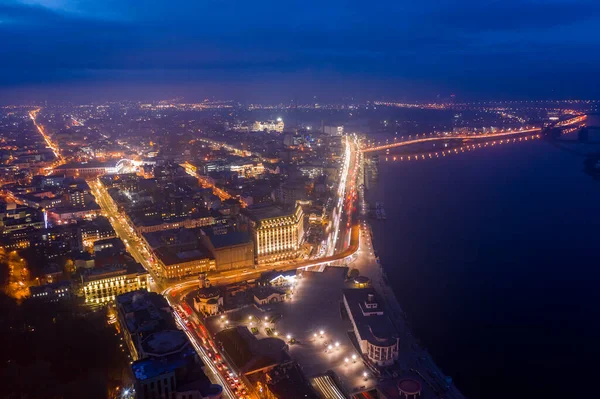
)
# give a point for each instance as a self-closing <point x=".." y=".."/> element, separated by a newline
<point x="51" y="351"/>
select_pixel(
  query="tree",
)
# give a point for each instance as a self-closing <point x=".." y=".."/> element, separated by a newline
<point x="65" y="353"/>
<point x="69" y="266"/>
<point x="353" y="273"/>
<point x="4" y="274"/>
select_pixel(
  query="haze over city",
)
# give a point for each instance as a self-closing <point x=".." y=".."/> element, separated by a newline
<point x="292" y="200"/>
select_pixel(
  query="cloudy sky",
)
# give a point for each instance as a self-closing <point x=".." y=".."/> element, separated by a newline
<point x="296" y="49"/>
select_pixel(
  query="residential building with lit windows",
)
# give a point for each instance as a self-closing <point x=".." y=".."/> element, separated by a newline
<point x="15" y="217"/>
<point x="277" y="234"/>
<point x="54" y="292"/>
<point x="175" y="263"/>
<point x="92" y="231"/>
<point x="374" y="330"/>
<point x="102" y="285"/>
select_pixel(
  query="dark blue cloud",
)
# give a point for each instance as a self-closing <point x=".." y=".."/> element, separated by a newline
<point x="466" y="46"/>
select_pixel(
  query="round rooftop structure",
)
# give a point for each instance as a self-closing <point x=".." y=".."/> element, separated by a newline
<point x="209" y="293"/>
<point x="409" y="388"/>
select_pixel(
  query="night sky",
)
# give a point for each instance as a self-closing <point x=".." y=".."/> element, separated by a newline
<point x="278" y="50"/>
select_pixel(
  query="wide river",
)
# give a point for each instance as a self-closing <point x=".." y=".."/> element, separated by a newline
<point x="494" y="255"/>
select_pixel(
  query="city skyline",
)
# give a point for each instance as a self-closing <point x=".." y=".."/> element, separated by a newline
<point x="299" y="200"/>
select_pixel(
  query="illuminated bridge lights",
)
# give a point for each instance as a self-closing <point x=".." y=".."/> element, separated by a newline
<point x="462" y="149"/>
<point x="437" y="137"/>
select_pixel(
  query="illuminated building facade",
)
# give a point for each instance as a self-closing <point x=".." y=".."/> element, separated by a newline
<point x="91" y="169"/>
<point x="209" y="300"/>
<point x="277" y="234"/>
<point x="271" y="126"/>
<point x="103" y="285"/>
<point x="374" y="330"/>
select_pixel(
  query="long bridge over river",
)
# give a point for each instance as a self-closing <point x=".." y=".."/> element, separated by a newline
<point x="433" y="137"/>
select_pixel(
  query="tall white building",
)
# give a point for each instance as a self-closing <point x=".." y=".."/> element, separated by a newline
<point x="277" y="234"/>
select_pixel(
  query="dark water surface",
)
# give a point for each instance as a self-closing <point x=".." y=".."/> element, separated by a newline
<point x="494" y="256"/>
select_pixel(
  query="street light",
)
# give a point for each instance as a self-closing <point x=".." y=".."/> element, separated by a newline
<point x="366" y="376"/>
<point x="353" y="358"/>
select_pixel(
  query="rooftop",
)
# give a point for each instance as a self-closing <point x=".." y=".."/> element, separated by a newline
<point x="370" y="317"/>
<point x="114" y="242"/>
<point x="171" y="256"/>
<point x="250" y="354"/>
<point x="112" y="270"/>
<point x="151" y="367"/>
<point x="91" y="206"/>
<point x="267" y="212"/>
<point x="171" y="237"/>
<point x="230" y="239"/>
<point x="164" y="342"/>
<point x="145" y="311"/>
<point x="263" y="292"/>
<point x="288" y="381"/>
<point x="209" y="292"/>
<point x="273" y="274"/>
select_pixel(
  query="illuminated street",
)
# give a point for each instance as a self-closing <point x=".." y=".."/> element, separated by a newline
<point x="192" y="331"/>
<point x="124" y="231"/>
